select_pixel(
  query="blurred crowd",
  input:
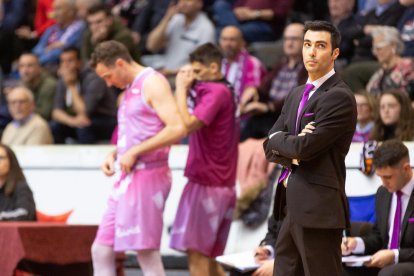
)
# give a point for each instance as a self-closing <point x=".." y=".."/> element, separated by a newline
<point x="49" y="93"/>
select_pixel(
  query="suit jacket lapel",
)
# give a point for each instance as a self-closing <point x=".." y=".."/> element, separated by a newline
<point x="408" y="212"/>
<point x="323" y="88"/>
<point x="384" y="226"/>
<point x="295" y="104"/>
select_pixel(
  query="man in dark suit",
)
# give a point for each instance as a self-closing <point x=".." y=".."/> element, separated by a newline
<point x="311" y="139"/>
<point x="391" y="242"/>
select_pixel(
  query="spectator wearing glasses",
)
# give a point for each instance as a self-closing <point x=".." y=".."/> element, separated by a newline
<point x="396" y="72"/>
<point x="27" y="127"/>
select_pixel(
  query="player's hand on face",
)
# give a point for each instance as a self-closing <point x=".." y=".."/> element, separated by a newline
<point x="185" y="78"/>
<point x="309" y="128"/>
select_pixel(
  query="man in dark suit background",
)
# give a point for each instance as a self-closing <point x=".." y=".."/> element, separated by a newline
<point x="311" y="139"/>
<point x="392" y="253"/>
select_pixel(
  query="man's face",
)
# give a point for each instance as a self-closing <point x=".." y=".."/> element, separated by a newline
<point x="231" y="42"/>
<point x="19" y="104"/>
<point x="293" y="40"/>
<point x="201" y="71"/>
<point x="63" y="12"/>
<point x="407" y="3"/>
<point x="69" y="61"/>
<point x="317" y="53"/>
<point x="29" y="68"/>
<point x="394" y="178"/>
<point x="99" y="24"/>
<point x="112" y="75"/>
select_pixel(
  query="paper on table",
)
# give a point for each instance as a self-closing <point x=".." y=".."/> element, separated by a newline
<point x="354" y="260"/>
<point x="243" y="261"/>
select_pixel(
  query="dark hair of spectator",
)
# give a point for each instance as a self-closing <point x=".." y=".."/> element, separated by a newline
<point x="72" y="50"/>
<point x="108" y="52"/>
<point x="326" y="26"/>
<point x="99" y="8"/>
<point x="404" y="130"/>
<point x="390" y="154"/>
<point x="206" y="54"/>
<point x="15" y="174"/>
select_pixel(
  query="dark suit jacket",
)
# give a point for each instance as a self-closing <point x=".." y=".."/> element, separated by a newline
<point x="315" y="196"/>
<point x="378" y="239"/>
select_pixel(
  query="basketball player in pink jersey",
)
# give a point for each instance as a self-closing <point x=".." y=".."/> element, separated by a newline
<point x="206" y="207"/>
<point x="148" y="122"/>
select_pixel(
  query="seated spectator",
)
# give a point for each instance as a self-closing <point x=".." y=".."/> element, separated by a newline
<point x="396" y="73"/>
<point x="83" y="6"/>
<point x="102" y="26"/>
<point x="16" y="198"/>
<point x="264" y="104"/>
<point x="259" y="20"/>
<point x="264" y="253"/>
<point x="341" y="15"/>
<point x="367" y="112"/>
<point x="41" y="83"/>
<point x="27" y="127"/>
<point x="183" y="28"/>
<point x="391" y="242"/>
<point x="30" y="33"/>
<point x="395" y="120"/>
<point x="65" y="33"/>
<point x="406" y="27"/>
<point x="12" y="15"/>
<point x="241" y="69"/>
<point x="84" y="107"/>
<point x="149" y="17"/>
<point x="363" y="63"/>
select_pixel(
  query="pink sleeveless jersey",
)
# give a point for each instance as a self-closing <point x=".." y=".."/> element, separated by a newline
<point x="138" y="121"/>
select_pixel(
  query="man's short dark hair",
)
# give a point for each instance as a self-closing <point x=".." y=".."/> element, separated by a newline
<point x="206" y="54"/>
<point x="72" y="49"/>
<point x="326" y="26"/>
<point x="108" y="52"/>
<point x="100" y="7"/>
<point x="390" y="154"/>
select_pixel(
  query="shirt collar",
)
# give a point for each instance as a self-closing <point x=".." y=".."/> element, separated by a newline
<point x="318" y="83"/>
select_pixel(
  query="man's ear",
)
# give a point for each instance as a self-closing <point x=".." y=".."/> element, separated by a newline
<point x="335" y="53"/>
<point x="119" y="62"/>
<point x="214" y="67"/>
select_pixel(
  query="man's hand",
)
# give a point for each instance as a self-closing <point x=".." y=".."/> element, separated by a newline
<point x="309" y="128"/>
<point x="184" y="79"/>
<point x="261" y="254"/>
<point x="381" y="259"/>
<point x="107" y="166"/>
<point x="266" y="269"/>
<point x="54" y="45"/>
<point x="80" y="121"/>
<point x="128" y="160"/>
<point x="244" y="13"/>
<point x="348" y="245"/>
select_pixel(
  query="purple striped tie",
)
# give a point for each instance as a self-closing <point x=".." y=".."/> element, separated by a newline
<point x="305" y="97"/>
<point x="397" y="222"/>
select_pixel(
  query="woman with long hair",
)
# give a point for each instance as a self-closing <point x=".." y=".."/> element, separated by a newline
<point x="396" y="117"/>
<point x="16" y="198"/>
